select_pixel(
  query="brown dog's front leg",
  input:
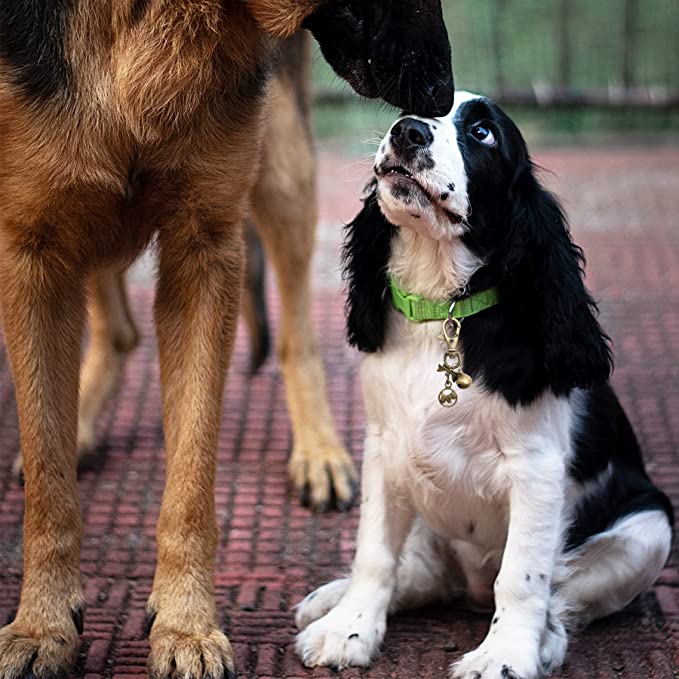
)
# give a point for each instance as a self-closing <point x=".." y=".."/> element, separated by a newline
<point x="42" y="309"/>
<point x="196" y="311"/>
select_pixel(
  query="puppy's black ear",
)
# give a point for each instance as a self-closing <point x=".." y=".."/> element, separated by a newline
<point x="547" y="267"/>
<point x="365" y="256"/>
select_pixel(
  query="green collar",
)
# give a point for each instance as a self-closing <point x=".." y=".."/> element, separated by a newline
<point x="418" y="310"/>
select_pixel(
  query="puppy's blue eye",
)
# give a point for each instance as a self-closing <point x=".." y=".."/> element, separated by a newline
<point x="483" y="134"/>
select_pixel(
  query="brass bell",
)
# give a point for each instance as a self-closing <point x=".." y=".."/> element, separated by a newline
<point x="463" y="381"/>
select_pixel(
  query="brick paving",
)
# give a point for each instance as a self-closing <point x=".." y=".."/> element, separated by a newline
<point x="623" y="204"/>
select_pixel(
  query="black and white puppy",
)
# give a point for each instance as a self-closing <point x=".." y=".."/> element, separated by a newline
<point x="529" y="494"/>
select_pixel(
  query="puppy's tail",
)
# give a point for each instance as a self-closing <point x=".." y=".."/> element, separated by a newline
<point x="254" y="302"/>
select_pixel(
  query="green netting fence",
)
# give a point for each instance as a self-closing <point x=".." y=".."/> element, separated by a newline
<point x="569" y="65"/>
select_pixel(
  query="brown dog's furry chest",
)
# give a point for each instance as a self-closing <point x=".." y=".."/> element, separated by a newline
<point x="159" y="109"/>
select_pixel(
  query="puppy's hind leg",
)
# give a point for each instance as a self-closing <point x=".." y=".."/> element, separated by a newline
<point x="427" y="571"/>
<point x="43" y="303"/>
<point x="320" y="602"/>
<point x="613" y="567"/>
<point x="603" y="575"/>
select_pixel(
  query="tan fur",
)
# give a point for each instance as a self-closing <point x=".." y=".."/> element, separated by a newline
<point x="284" y="210"/>
<point x="112" y="336"/>
<point x="160" y="135"/>
<point x="282" y="17"/>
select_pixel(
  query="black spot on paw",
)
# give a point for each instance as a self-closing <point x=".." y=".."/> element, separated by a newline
<point x="451" y="187"/>
<point x="527" y="577"/>
<point x="496" y="620"/>
<point x="353" y="636"/>
<point x="445" y="196"/>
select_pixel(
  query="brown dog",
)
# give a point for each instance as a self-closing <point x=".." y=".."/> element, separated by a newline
<point x="121" y="121"/>
<point x="283" y="216"/>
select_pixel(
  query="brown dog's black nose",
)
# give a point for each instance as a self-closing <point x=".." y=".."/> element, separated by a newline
<point x="410" y="135"/>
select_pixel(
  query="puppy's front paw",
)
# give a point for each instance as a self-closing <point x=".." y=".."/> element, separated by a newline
<point x="342" y="638"/>
<point x="320" y="602"/>
<point x="498" y="661"/>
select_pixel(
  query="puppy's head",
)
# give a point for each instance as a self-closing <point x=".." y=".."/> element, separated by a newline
<point x="397" y="50"/>
<point x="451" y="176"/>
<point x="467" y="178"/>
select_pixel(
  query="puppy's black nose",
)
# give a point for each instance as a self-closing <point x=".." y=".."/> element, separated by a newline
<point x="410" y="135"/>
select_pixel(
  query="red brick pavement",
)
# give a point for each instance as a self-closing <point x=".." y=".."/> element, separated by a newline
<point x="272" y="551"/>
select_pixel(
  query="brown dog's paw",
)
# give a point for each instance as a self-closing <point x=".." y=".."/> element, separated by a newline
<point x="180" y="655"/>
<point x="39" y="650"/>
<point x="324" y="475"/>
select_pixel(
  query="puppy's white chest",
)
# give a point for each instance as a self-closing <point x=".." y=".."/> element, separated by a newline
<point x="446" y="459"/>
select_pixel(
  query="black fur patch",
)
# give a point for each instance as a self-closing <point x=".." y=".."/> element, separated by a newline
<point x="605" y="438"/>
<point x="32" y="43"/>
<point x="252" y="87"/>
<point x="544" y="334"/>
<point x="139" y="9"/>
<point x="365" y="256"/>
